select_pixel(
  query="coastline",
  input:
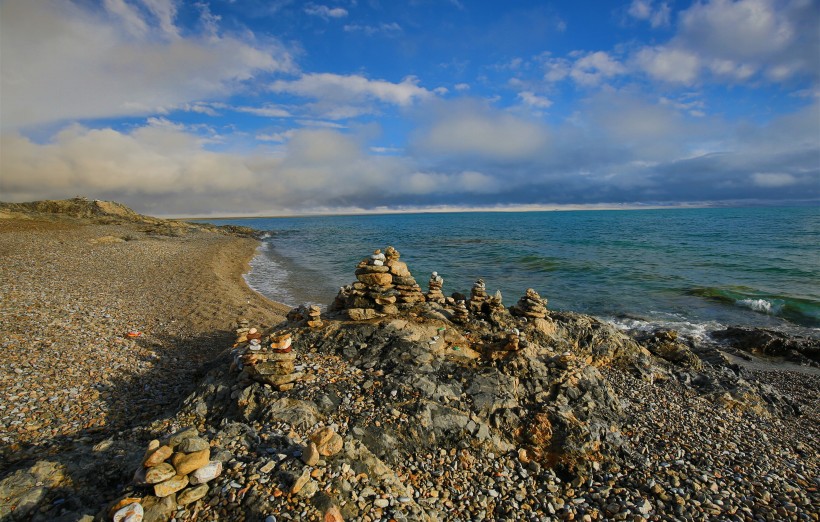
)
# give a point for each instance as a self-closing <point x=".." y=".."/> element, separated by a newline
<point x="83" y="398"/>
<point x="71" y="290"/>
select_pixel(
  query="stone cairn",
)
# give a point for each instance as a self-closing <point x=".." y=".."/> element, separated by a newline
<point x="383" y="285"/>
<point x="478" y="295"/>
<point x="530" y="305"/>
<point x="309" y="315"/>
<point x="177" y="470"/>
<point x="434" y="295"/>
<point x="460" y="313"/>
<point x="272" y="364"/>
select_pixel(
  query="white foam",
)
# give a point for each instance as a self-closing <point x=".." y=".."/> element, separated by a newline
<point x="698" y="332"/>
<point x="268" y="277"/>
<point x="758" y="305"/>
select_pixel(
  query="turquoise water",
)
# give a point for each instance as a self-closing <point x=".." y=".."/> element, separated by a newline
<point x="693" y="269"/>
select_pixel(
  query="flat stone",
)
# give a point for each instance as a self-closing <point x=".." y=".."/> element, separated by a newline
<point x="170" y="486"/>
<point x="300" y="481"/>
<point x="206" y="473"/>
<point x="376" y="279"/>
<point x="158" y="456"/>
<point x="333" y="446"/>
<point x="274" y="368"/>
<point x="276" y="380"/>
<point x="276" y="357"/>
<point x="193" y="444"/>
<point x="361" y="314"/>
<point x="185" y="463"/>
<point x="398" y="268"/>
<point x="322" y="436"/>
<point x="310" y="455"/>
<point x="130" y="513"/>
<point x="159" y="473"/>
<point x="193" y="494"/>
<point x="181" y="435"/>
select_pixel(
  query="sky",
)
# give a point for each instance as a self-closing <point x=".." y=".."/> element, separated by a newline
<point x="252" y="107"/>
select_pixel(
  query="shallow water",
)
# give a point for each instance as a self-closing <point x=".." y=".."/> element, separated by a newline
<point x="692" y="269"/>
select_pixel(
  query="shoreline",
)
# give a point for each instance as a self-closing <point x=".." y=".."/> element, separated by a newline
<point x="83" y="398"/>
<point x="70" y="292"/>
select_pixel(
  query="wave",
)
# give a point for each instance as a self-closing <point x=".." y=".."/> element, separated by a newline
<point x="803" y="312"/>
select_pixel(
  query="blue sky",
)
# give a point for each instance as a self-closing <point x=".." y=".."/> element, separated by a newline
<point x="220" y="107"/>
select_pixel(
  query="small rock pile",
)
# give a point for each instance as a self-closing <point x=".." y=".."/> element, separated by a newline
<point x="309" y="315"/>
<point x="434" y="295"/>
<point x="324" y="442"/>
<point x="176" y="469"/>
<point x="384" y="284"/>
<point x="478" y="295"/>
<point x="530" y="305"/>
<point x="273" y="364"/>
<point x="460" y="313"/>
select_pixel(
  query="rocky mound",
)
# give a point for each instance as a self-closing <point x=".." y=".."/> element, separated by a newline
<point x="107" y="212"/>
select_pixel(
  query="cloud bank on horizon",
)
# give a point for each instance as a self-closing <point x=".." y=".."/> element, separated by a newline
<point x="218" y="107"/>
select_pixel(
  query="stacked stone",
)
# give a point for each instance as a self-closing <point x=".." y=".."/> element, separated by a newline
<point x="314" y="319"/>
<point x="530" y="305"/>
<point x="495" y="303"/>
<point x="409" y="291"/>
<point x="178" y="468"/>
<point x="273" y="364"/>
<point x="478" y="294"/>
<point x="242" y="331"/>
<point x="513" y="340"/>
<point x="460" y="313"/>
<point x="309" y="315"/>
<point x="383" y="283"/>
<point x="435" y="295"/>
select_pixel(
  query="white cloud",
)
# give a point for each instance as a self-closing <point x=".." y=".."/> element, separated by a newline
<point x="773" y="179"/>
<point x="595" y="67"/>
<point x="62" y="61"/>
<point x="277" y="137"/>
<point x="338" y="88"/>
<point x="669" y="64"/>
<point x="325" y="11"/>
<point x="268" y="111"/>
<point x="735" y="30"/>
<point x="646" y="10"/>
<point x="461" y="87"/>
<point x="735" y="40"/>
<point x="385" y="29"/>
<point x="473" y="129"/>
<point x="533" y="100"/>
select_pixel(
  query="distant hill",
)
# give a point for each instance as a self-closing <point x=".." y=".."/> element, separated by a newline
<point x="99" y="211"/>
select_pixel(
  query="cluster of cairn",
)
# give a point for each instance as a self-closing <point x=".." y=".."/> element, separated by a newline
<point x="530" y="305"/>
<point x="310" y="315"/>
<point x="273" y="364"/>
<point x="176" y="469"/>
<point x="384" y="284"/>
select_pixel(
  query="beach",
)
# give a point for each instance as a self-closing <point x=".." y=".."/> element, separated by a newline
<point x="116" y="332"/>
<point x="71" y="290"/>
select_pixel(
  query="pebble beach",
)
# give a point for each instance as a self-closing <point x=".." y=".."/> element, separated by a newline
<point x="71" y="292"/>
<point x="114" y="334"/>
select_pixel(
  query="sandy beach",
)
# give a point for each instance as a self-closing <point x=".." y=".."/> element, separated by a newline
<point x="70" y="293"/>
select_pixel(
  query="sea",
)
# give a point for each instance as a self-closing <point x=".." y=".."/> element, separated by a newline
<point x="692" y="269"/>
